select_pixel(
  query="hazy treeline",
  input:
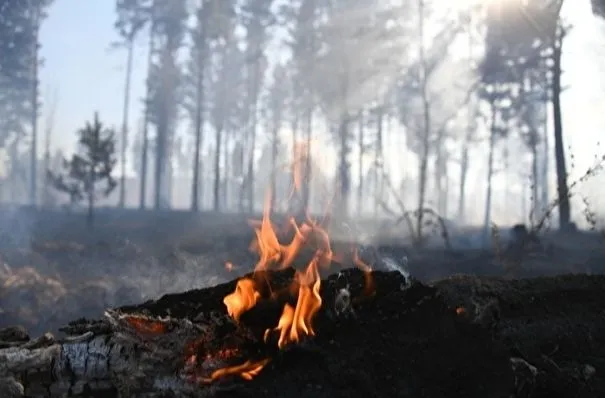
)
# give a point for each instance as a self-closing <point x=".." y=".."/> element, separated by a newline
<point x="231" y="85"/>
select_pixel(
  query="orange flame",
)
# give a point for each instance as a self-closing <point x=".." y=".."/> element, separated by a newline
<point x="145" y="325"/>
<point x="294" y="322"/>
<point x="246" y="371"/>
<point x="244" y="298"/>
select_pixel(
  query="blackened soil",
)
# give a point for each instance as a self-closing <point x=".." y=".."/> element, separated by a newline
<point x="403" y="341"/>
<point x="557" y="324"/>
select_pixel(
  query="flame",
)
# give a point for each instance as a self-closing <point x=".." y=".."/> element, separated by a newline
<point x="246" y="371"/>
<point x="296" y="321"/>
<point x="242" y="299"/>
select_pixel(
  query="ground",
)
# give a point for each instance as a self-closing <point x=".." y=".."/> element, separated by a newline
<point x="56" y="270"/>
<point x="53" y="269"/>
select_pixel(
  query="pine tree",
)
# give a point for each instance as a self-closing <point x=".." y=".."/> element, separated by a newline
<point x="88" y="174"/>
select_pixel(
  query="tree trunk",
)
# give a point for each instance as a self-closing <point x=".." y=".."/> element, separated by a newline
<point x="438" y="172"/>
<point x="122" y="199"/>
<point x="463" y="176"/>
<point x="195" y="199"/>
<point x="308" y="172"/>
<point x="361" y="148"/>
<point x="34" y="99"/>
<point x="490" y="171"/>
<point x="217" y="169"/>
<point x="562" y="188"/>
<point x="535" y="201"/>
<point x="274" y="148"/>
<point x="379" y="159"/>
<point x="253" y="126"/>
<point x="145" y="143"/>
<point x="545" y="183"/>
<point x="226" y="180"/>
<point x="199" y="122"/>
<point x="344" y="172"/>
<point x="422" y="177"/>
<point x="160" y="160"/>
<point x="424" y="158"/>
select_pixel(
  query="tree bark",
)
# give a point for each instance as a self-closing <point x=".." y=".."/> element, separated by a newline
<point x="274" y="153"/>
<point x="361" y="149"/>
<point x="122" y="198"/>
<point x="217" y="169"/>
<point x="343" y="168"/>
<point x="147" y="113"/>
<point x="426" y="126"/>
<point x="535" y="200"/>
<point x="562" y="188"/>
<point x="35" y="99"/>
<point x="199" y="122"/>
<point x="379" y="157"/>
<point x="490" y="172"/>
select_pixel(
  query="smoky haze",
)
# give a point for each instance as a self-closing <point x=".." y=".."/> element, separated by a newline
<point x="385" y="107"/>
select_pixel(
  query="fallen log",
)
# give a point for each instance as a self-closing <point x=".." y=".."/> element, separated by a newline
<point x="406" y="340"/>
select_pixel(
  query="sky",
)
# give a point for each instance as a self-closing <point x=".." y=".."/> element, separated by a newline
<point x="85" y="76"/>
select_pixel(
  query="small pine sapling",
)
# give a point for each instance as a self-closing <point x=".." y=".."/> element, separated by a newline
<point x="87" y="175"/>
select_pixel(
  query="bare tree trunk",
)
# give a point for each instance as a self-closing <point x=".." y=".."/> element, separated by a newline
<point x="217" y="169"/>
<point x="438" y="171"/>
<point x="253" y="126"/>
<point x="306" y="188"/>
<point x="47" y="139"/>
<point x="344" y="172"/>
<point x="147" y="111"/>
<point x="160" y="160"/>
<point x="226" y="170"/>
<point x="361" y="149"/>
<point x="463" y="175"/>
<point x="274" y="149"/>
<point x="490" y="170"/>
<point x="424" y="158"/>
<point x="544" y="186"/>
<point x="124" y="143"/>
<point x="535" y="201"/>
<point x="562" y="188"/>
<point x="34" y="99"/>
<point x="199" y="121"/>
<point x="379" y="157"/>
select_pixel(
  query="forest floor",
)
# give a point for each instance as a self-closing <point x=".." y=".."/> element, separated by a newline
<point x="54" y="270"/>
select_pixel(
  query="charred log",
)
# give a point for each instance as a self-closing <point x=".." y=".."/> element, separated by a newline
<point x="405" y="340"/>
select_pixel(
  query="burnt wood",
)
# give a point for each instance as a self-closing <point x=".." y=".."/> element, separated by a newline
<point x="463" y="337"/>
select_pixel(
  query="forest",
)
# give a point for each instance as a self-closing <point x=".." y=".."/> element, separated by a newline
<point x="400" y="167"/>
<point x="478" y="75"/>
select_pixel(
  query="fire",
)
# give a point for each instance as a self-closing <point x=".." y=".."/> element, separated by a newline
<point x="144" y="325"/>
<point x="246" y="371"/>
<point x="296" y="321"/>
<point x="244" y="298"/>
